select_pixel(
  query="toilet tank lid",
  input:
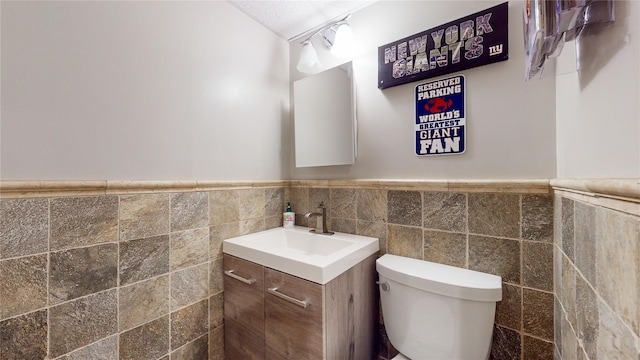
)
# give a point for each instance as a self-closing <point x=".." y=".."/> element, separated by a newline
<point x="441" y="279"/>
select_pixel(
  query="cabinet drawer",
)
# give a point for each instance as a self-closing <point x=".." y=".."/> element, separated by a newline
<point x="293" y="331"/>
<point x="244" y="302"/>
<point x="242" y="344"/>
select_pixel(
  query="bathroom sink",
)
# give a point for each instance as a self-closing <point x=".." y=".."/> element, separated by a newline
<point x="296" y="251"/>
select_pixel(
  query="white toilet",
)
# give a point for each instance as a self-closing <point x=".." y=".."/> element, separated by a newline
<point x="435" y="311"/>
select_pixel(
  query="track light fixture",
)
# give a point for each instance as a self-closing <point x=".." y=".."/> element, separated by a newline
<point x="337" y="36"/>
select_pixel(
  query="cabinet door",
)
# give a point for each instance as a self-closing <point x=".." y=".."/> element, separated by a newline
<point x="243" y="309"/>
<point x="293" y="331"/>
<point x="244" y="302"/>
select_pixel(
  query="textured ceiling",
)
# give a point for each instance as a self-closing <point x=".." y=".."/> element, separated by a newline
<point x="290" y="18"/>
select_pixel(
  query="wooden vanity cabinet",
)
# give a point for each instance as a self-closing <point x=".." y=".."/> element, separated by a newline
<point x="301" y="319"/>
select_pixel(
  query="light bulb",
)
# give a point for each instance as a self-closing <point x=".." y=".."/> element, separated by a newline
<point x="309" y="62"/>
<point x="344" y="43"/>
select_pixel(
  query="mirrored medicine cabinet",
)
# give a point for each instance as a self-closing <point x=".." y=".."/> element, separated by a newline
<point x="324" y="118"/>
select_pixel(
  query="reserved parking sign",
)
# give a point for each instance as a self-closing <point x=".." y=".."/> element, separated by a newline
<point x="440" y="117"/>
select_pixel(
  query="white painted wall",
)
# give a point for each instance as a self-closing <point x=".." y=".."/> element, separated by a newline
<point x="511" y="123"/>
<point x="196" y="90"/>
<point x="598" y="106"/>
<point x="141" y="90"/>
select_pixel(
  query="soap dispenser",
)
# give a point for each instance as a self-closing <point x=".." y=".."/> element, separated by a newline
<point x="288" y="217"/>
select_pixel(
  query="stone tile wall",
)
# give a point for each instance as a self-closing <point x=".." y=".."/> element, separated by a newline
<point x="503" y="231"/>
<point x="121" y="276"/>
<point x="597" y="277"/>
<point x="138" y="275"/>
<point x="125" y="275"/>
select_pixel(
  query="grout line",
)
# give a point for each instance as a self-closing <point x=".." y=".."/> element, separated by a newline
<point x="89" y="345"/>
<point x="85" y="246"/>
<point x="118" y="285"/>
<point x="188" y="343"/>
<point x="521" y="215"/>
<point x="144" y="323"/>
<point x="209" y="265"/>
<point x="48" y="276"/>
<point x="422" y="205"/>
<point x="46" y="308"/>
<point x="83" y="297"/>
<point x="208" y="324"/>
<point x="467" y="230"/>
<point x="501" y="237"/>
<point x="536" y="289"/>
<point x="170" y="282"/>
<point x="521" y="258"/>
<point x="534" y="337"/>
<point x="26" y="256"/>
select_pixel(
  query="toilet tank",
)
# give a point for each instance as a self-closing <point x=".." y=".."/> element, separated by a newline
<point x="436" y="311"/>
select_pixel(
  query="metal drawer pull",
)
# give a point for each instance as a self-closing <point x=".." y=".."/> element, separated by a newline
<point x="246" y="281"/>
<point x="302" y="303"/>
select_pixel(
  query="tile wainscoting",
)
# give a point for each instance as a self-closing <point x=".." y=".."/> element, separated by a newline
<point x="499" y="227"/>
<point x="126" y="270"/>
<point x="597" y="269"/>
<point x="131" y="270"/>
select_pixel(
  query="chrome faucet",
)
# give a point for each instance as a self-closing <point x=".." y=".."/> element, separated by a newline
<point x="321" y="222"/>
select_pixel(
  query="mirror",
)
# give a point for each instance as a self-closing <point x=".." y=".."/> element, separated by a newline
<point x="324" y="118"/>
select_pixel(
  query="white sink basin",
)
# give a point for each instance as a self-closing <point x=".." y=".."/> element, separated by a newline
<point x="314" y="257"/>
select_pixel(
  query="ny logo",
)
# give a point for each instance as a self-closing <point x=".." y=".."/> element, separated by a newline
<point x="495" y="50"/>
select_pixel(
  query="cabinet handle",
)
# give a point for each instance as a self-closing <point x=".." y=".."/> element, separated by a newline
<point x="302" y="303"/>
<point x="246" y="281"/>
